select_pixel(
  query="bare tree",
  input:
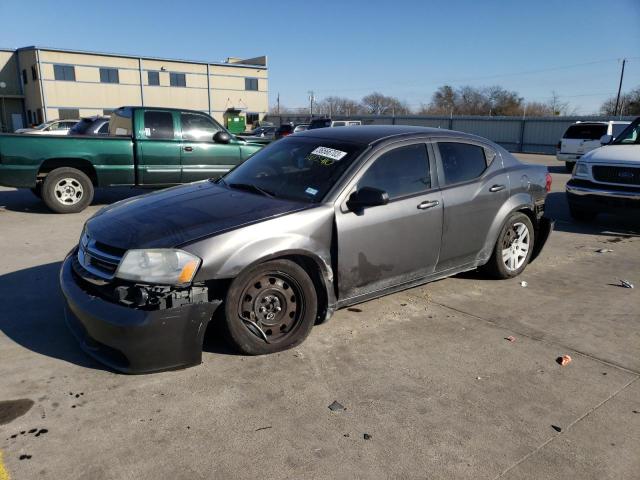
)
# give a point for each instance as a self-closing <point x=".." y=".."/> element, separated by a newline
<point x="330" y="106"/>
<point x="629" y="104"/>
<point x="378" y="104"/>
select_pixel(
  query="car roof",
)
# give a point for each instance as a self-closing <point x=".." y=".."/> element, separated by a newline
<point x="371" y="134"/>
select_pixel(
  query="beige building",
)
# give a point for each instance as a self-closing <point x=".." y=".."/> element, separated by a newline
<point x="43" y="84"/>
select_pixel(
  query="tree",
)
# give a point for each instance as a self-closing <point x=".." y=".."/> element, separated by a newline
<point x="503" y="102"/>
<point x="629" y="104"/>
<point x="444" y="101"/>
<point x="378" y="104"/>
<point x="557" y="106"/>
<point x="330" y="106"/>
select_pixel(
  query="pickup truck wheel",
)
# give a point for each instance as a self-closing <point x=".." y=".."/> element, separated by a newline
<point x="513" y="249"/>
<point x="67" y="190"/>
<point x="582" y="215"/>
<point x="569" y="166"/>
<point x="270" y="307"/>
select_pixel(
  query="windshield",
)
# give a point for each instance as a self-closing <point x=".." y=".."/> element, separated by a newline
<point x="44" y="125"/>
<point x="631" y="135"/>
<point x="302" y="169"/>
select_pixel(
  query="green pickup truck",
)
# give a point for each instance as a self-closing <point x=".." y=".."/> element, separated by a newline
<point x="146" y="147"/>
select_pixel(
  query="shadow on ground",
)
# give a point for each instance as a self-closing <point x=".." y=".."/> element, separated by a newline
<point x="22" y="200"/>
<point x="619" y="225"/>
<point x="32" y="314"/>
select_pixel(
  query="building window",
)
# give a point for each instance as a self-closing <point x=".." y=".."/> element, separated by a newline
<point x="34" y="72"/>
<point x="64" y="72"/>
<point x="153" y="78"/>
<point x="109" y="75"/>
<point x="251" y="84"/>
<point x="40" y="119"/>
<point x="253" y="118"/>
<point x="68" y="113"/>
<point x="24" y="77"/>
<point x="177" y="79"/>
<point x="107" y="111"/>
<point x="29" y="117"/>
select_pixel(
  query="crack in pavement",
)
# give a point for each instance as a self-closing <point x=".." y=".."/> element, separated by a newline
<point x="530" y="336"/>
<point x="547" y="442"/>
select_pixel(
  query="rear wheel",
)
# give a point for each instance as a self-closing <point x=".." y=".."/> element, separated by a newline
<point x="569" y="166"/>
<point x="67" y="190"/>
<point x="270" y="307"/>
<point x="513" y="248"/>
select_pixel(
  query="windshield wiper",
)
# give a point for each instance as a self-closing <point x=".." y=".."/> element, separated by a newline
<point x="253" y="188"/>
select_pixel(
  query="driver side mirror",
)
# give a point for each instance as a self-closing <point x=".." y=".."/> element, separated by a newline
<point x="606" y="139"/>
<point x="367" y="197"/>
<point x="221" y="137"/>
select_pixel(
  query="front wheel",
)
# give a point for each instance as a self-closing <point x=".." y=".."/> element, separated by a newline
<point x="67" y="190"/>
<point x="270" y="307"/>
<point x="513" y="249"/>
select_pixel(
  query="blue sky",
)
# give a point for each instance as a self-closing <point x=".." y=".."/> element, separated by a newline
<point x="349" y="48"/>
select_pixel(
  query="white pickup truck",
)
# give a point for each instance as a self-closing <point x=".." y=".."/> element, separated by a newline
<point x="607" y="179"/>
<point x="582" y="137"/>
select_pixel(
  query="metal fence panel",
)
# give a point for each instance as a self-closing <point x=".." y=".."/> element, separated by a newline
<point x="531" y="135"/>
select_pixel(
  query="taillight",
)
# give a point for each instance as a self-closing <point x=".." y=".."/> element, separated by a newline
<point x="548" y="180"/>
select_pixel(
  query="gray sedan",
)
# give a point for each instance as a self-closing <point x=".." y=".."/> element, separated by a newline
<point x="321" y="220"/>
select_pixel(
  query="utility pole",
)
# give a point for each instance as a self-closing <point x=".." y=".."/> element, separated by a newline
<point x="278" y="103"/>
<point x="312" y="99"/>
<point x="615" y="111"/>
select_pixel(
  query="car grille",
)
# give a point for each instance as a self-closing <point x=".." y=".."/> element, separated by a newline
<point x="97" y="258"/>
<point x="621" y="175"/>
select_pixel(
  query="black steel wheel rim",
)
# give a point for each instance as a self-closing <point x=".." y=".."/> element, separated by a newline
<point x="271" y="306"/>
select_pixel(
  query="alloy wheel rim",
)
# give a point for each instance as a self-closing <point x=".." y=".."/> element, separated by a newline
<point x="68" y="191"/>
<point x="515" y="246"/>
<point x="271" y="306"/>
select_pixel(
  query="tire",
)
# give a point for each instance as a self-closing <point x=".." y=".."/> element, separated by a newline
<point x="67" y="190"/>
<point x="37" y="190"/>
<point x="273" y="285"/>
<point x="581" y="214"/>
<point x="511" y="237"/>
<point x="569" y="166"/>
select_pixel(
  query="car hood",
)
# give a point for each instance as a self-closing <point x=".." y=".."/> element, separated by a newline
<point x="179" y="215"/>
<point x="614" y="154"/>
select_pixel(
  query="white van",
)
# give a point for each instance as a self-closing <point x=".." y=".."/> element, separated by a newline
<point x="582" y="137"/>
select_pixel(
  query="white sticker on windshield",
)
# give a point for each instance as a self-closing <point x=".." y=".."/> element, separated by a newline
<point x="331" y="153"/>
<point x="311" y="191"/>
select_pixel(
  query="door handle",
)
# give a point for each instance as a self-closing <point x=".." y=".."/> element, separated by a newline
<point x="428" y="204"/>
<point x="188" y="149"/>
<point x="497" y="188"/>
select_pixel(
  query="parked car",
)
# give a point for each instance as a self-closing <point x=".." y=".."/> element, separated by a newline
<point x="95" y="125"/>
<point x="607" y="179"/>
<point x="53" y="127"/>
<point x="301" y="127"/>
<point x="284" y="130"/>
<point x="320" y="220"/>
<point x="259" y="135"/>
<point x="582" y="137"/>
<point x="148" y="147"/>
<point x="327" y="122"/>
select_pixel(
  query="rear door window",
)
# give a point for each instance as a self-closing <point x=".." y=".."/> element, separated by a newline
<point x="585" y="132"/>
<point x="400" y="172"/>
<point x="461" y="162"/>
<point x="158" y="125"/>
<point x="618" y="128"/>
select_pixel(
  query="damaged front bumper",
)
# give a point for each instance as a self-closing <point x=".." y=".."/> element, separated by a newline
<point x="131" y="339"/>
